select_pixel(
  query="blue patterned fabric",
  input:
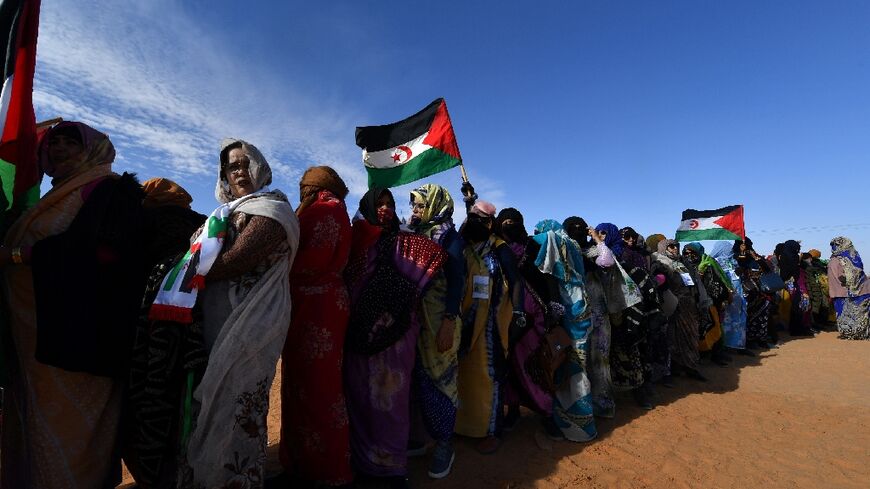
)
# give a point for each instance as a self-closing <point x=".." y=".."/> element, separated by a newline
<point x="560" y="256"/>
<point x="734" y="319"/>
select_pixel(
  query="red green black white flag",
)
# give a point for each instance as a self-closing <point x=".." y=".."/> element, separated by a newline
<point x="718" y="224"/>
<point x="19" y="26"/>
<point x="411" y="149"/>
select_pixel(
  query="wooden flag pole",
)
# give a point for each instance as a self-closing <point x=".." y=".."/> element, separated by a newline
<point x="464" y="174"/>
<point x="50" y="122"/>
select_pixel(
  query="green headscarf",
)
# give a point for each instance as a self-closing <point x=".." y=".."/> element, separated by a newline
<point x="708" y="261"/>
<point x="438" y="210"/>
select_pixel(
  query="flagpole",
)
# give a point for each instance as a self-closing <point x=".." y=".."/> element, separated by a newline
<point x="464" y="173"/>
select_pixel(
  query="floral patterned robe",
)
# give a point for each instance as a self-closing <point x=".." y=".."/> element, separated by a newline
<point x="315" y="437"/>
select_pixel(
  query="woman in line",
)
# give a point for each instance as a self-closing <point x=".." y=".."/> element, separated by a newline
<point x="620" y="293"/>
<point x="238" y="262"/>
<point x="684" y="322"/>
<point x="541" y="304"/>
<point x="734" y="311"/>
<point x="73" y="280"/>
<point x="598" y="260"/>
<point x="643" y="328"/>
<point x="315" y="437"/>
<point x="561" y="257"/>
<point x="486" y="318"/>
<point x="850" y="290"/>
<point x="795" y="278"/>
<point x="163" y="353"/>
<point x="386" y="275"/>
<point x="819" y="295"/>
<point x="633" y="251"/>
<point x="759" y="306"/>
<point x="713" y="283"/>
<point x="435" y="374"/>
<point x="655" y="349"/>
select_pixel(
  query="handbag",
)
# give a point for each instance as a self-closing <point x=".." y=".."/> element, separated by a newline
<point x="669" y="303"/>
<point x="550" y="354"/>
<point x="631" y="328"/>
<point x="771" y="282"/>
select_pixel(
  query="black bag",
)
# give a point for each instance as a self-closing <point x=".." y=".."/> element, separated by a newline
<point x="632" y="329"/>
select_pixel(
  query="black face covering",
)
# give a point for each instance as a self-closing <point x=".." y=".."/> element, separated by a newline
<point x="475" y="231"/>
<point x="576" y="228"/>
<point x="514" y="233"/>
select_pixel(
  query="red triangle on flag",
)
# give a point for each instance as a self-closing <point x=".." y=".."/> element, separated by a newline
<point x="733" y="221"/>
<point x="441" y="133"/>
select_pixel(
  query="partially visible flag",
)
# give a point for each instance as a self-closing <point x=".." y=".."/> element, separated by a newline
<point x="718" y="224"/>
<point x="411" y="149"/>
<point x="19" y="26"/>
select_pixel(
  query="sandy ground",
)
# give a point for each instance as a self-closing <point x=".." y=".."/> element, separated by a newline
<point x="795" y="416"/>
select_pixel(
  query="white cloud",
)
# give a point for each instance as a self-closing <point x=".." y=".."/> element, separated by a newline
<point x="159" y="85"/>
<point x="167" y="88"/>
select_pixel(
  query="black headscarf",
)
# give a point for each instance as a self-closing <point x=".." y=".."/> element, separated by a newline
<point x="736" y="248"/>
<point x="514" y="233"/>
<point x="789" y="259"/>
<point x="368" y="206"/>
<point x="577" y="229"/>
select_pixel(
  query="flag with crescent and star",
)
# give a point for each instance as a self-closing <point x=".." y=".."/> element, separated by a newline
<point x="411" y="149"/>
<point x="717" y="224"/>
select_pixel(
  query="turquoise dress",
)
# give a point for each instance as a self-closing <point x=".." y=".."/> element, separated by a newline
<point x="560" y="257"/>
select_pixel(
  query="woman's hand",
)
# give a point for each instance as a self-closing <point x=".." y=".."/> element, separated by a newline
<point x="444" y="338"/>
<point x="11" y="256"/>
<point x="595" y="235"/>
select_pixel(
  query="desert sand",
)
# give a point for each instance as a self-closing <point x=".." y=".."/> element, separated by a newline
<point x="797" y="416"/>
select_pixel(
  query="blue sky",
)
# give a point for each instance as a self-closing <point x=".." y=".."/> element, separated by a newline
<point x="618" y="111"/>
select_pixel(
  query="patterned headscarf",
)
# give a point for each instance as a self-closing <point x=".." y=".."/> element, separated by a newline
<point x="853" y="268"/>
<point x="612" y="238"/>
<point x="315" y="179"/>
<point x="261" y="172"/>
<point x="437" y="215"/>
<point x="559" y="255"/>
<point x="98" y="150"/>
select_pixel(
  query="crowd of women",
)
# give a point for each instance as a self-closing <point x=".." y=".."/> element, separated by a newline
<point x="141" y="330"/>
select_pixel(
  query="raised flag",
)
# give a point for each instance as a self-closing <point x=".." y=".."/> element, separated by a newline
<point x="19" y="26"/>
<point x="718" y="224"/>
<point x="411" y="149"/>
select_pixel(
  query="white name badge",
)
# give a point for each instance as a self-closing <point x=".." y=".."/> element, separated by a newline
<point x="687" y="279"/>
<point x="480" y="287"/>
